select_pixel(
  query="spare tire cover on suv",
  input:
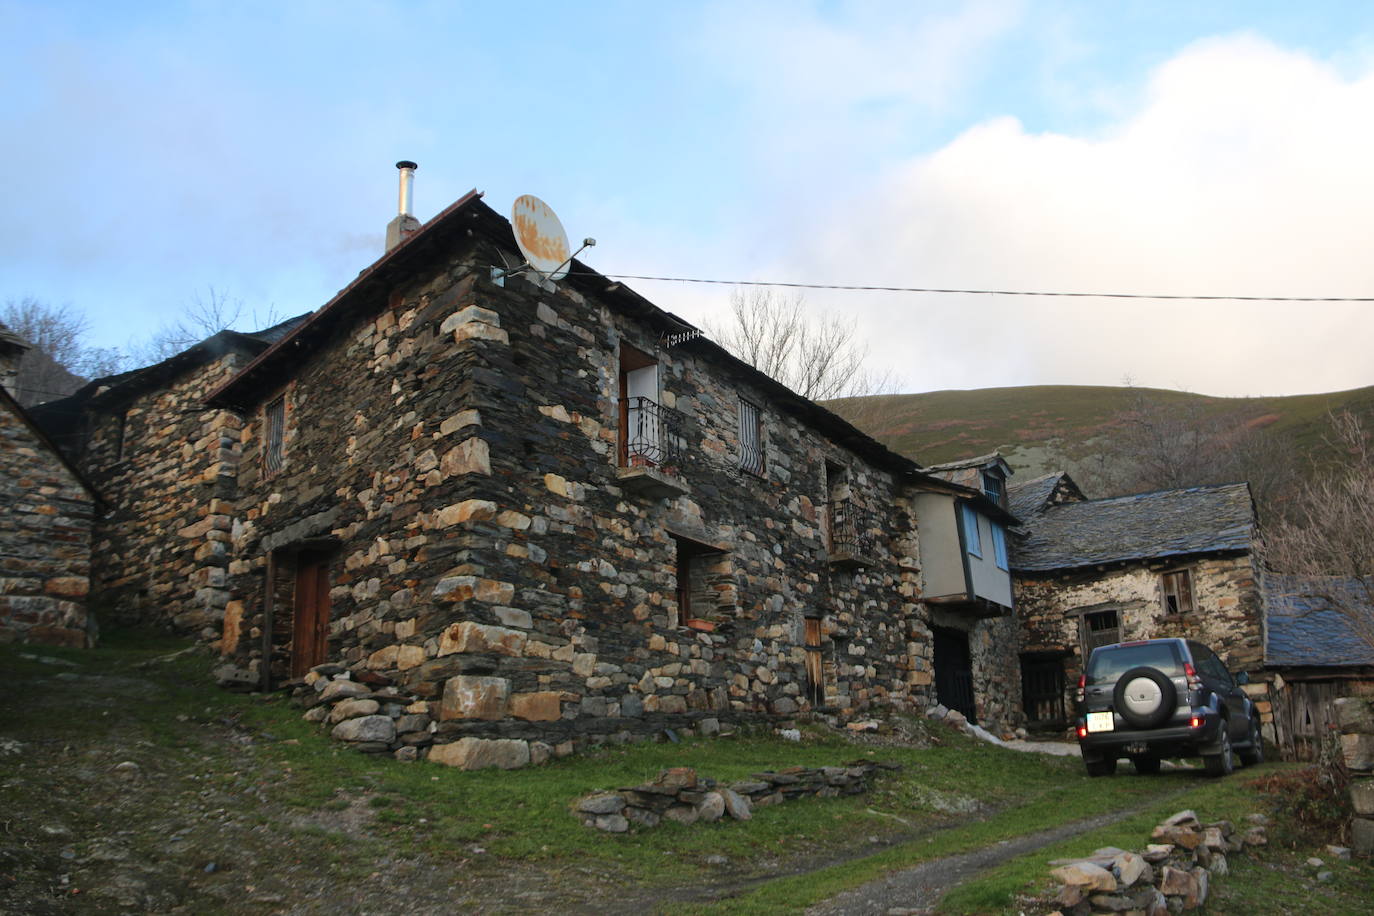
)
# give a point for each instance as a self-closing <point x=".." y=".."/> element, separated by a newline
<point x="1145" y="697"/>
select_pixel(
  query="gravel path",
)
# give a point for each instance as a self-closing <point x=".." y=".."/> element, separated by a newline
<point x="917" y="890"/>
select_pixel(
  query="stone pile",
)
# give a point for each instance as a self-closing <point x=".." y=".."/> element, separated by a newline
<point x="375" y="719"/>
<point x="1355" y="717"/>
<point x="679" y="794"/>
<point x="1172" y="874"/>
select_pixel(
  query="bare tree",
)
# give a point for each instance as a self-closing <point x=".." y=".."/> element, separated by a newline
<point x="1326" y="548"/>
<point x="203" y="316"/>
<point x="819" y="359"/>
<point x="1162" y="444"/>
<point x="59" y="362"/>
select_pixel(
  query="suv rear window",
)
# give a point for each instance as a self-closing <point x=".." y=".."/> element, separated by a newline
<point x="1108" y="664"/>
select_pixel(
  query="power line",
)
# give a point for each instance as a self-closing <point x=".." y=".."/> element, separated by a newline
<point x="980" y="292"/>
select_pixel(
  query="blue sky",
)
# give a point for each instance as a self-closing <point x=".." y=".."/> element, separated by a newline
<point x="155" y="150"/>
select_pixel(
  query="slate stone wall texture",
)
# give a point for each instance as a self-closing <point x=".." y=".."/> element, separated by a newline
<point x="160" y="552"/>
<point x="45" y="541"/>
<point x="1227" y="615"/>
<point x="459" y="451"/>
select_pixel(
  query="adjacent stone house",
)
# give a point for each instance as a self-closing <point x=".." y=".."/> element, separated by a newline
<point x="46" y="509"/>
<point x="561" y="515"/>
<point x="1090" y="572"/>
<point x="165" y="465"/>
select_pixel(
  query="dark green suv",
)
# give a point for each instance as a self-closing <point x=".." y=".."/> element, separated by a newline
<point x="1156" y="698"/>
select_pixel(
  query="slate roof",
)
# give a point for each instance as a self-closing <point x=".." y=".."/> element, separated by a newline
<point x="1165" y="523"/>
<point x="1027" y="498"/>
<point x="1304" y="630"/>
<point x="962" y="463"/>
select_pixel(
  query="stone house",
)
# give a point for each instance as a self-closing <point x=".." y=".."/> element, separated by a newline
<point x="560" y="515"/>
<point x="1091" y="572"/>
<point x="1314" y="655"/>
<point x="46" y="510"/>
<point x="165" y="465"/>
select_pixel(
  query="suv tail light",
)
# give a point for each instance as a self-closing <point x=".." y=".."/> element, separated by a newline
<point x="1194" y="682"/>
<point x="1082" y="683"/>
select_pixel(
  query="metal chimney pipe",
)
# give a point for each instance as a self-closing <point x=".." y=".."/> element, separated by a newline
<point x="407" y="180"/>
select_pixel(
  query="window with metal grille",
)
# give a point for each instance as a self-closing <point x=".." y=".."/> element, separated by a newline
<point x="274" y="434"/>
<point x="994" y="487"/>
<point x="1100" y="628"/>
<point x="1177" y="590"/>
<point x="750" y="438"/>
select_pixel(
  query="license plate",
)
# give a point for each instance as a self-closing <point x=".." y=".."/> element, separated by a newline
<point x="1100" y="722"/>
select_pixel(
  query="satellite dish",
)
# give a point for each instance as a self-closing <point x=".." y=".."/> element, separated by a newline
<point x="540" y="236"/>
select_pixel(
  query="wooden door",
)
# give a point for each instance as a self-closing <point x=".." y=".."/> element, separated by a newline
<point x="310" y="626"/>
<point x="815" y="668"/>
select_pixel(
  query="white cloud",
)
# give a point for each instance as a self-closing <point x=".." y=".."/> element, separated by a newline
<point x="1245" y="171"/>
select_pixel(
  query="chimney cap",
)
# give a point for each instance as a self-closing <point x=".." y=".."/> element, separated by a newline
<point x="406" y="164"/>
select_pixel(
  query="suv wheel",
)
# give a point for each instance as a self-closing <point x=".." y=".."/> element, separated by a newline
<point x="1145" y="697"/>
<point x="1253" y="754"/>
<point x="1146" y="764"/>
<point x="1221" y="764"/>
<point x="1104" y="767"/>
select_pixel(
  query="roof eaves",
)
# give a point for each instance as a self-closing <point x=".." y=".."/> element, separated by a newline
<point x="229" y="393"/>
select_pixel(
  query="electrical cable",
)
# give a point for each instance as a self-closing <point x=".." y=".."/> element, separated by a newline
<point x="977" y="292"/>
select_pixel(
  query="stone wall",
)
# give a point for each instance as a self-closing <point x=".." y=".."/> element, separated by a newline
<point x="1355" y="718"/>
<point x="165" y="465"/>
<point x="1227" y="615"/>
<point x="458" y="450"/>
<point x="45" y="540"/>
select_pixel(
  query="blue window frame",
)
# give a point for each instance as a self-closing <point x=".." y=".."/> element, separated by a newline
<point x="973" y="541"/>
<point x="999" y="545"/>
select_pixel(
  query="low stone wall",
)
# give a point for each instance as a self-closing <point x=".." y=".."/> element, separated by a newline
<point x="1171" y="875"/>
<point x="1355" y="717"/>
<point x="679" y="794"/>
<point x="371" y="715"/>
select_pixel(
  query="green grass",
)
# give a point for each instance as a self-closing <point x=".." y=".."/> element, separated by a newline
<point x="953" y="796"/>
<point x="1261" y="881"/>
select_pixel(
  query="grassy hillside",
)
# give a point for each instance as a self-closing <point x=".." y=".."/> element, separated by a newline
<point x="1036" y="427"/>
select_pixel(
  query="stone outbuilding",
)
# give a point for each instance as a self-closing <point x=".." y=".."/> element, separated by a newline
<point x="1091" y="572"/>
<point x="1315" y="654"/>
<point x="46" y="512"/>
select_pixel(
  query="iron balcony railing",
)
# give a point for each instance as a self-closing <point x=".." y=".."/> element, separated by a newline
<point x="852" y="530"/>
<point x="655" y="436"/>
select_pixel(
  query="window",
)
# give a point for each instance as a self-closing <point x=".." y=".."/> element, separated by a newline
<point x="1177" y="590"/>
<point x="1100" y="628"/>
<point x="973" y="541"/>
<point x="274" y="434"/>
<point x="999" y="545"/>
<point x="750" y="438"/>
<point x="705" y="583"/>
<point x="994" y="486"/>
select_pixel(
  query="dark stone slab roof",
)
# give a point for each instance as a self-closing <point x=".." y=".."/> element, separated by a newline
<point x="1304" y="630"/>
<point x="1165" y="523"/>
<point x="1027" y="498"/>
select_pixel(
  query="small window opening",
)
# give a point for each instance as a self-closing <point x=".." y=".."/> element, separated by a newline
<point x="274" y="434"/>
<point x="1100" y="628"/>
<point x="1177" y="589"/>
<point x="705" y="588"/>
<point x="751" y="438"/>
